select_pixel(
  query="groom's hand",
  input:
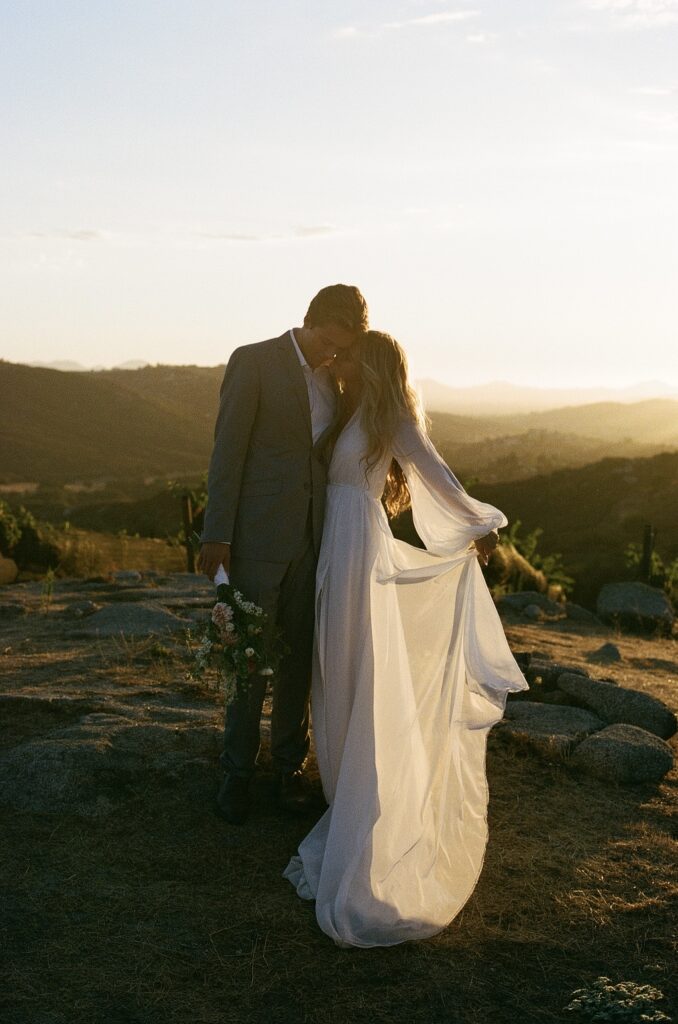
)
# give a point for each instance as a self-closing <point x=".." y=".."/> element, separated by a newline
<point x="211" y="556"/>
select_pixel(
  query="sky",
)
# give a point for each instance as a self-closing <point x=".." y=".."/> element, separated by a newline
<point x="180" y="177"/>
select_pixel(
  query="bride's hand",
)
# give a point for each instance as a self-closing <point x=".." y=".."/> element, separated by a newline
<point x="486" y="545"/>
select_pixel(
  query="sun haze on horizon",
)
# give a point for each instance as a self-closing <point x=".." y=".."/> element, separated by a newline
<point x="499" y="183"/>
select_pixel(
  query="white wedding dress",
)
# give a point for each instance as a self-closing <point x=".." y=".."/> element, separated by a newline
<point x="411" y="670"/>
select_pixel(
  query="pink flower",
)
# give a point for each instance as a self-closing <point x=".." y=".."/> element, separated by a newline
<point x="222" y="615"/>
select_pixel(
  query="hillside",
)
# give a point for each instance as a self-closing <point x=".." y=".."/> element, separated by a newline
<point x="592" y="513"/>
<point x="518" y="456"/>
<point x="654" y="421"/>
<point x="58" y="427"/>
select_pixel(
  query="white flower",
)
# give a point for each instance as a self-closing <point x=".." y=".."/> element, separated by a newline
<point x="266" y="672"/>
<point x="249" y="651"/>
<point x="230" y="689"/>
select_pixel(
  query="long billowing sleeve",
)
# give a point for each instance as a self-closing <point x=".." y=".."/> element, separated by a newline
<point x="446" y="518"/>
<point x="239" y="399"/>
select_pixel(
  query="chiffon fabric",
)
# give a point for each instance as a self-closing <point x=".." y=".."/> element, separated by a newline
<point x="411" y="670"/>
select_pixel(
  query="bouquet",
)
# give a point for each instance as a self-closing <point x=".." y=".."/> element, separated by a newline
<point x="235" y="642"/>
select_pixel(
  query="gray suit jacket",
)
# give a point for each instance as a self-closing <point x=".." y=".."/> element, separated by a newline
<point x="265" y="474"/>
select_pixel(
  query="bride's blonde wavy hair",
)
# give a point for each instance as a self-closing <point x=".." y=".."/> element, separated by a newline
<point x="387" y="398"/>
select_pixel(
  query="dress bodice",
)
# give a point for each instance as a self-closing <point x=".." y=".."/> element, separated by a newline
<point x="348" y="464"/>
<point x="446" y="517"/>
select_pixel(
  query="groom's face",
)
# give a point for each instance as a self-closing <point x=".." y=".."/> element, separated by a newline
<point x="325" y="341"/>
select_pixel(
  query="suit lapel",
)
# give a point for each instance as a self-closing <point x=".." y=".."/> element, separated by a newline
<point x="294" y="376"/>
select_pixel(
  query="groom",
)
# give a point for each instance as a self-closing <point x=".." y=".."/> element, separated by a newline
<point x="263" y="523"/>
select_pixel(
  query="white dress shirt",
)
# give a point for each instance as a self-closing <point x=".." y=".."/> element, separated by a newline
<point x="321" y="397"/>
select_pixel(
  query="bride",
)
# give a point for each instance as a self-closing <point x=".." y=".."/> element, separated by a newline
<point x="411" y="670"/>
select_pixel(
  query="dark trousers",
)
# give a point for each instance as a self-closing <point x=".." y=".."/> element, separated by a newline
<point x="286" y="592"/>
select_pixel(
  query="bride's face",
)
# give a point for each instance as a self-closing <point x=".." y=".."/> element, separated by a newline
<point x="346" y="368"/>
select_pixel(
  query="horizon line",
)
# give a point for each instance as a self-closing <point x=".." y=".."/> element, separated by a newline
<point x="73" y="366"/>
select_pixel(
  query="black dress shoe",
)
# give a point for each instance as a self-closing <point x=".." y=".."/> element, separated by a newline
<point x="233" y="800"/>
<point x="294" y="793"/>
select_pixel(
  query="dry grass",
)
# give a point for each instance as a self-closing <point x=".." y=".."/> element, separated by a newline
<point x="86" y="553"/>
<point x="163" y="913"/>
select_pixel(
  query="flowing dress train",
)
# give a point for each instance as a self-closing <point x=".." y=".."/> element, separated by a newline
<point x="411" y="670"/>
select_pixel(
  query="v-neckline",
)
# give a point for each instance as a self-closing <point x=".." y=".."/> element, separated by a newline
<point x="349" y="421"/>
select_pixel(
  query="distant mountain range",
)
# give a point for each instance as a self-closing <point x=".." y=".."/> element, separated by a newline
<point x="500" y="397"/>
<point x="493" y="398"/>
<point x="68" y="365"/>
<point x="64" y="426"/>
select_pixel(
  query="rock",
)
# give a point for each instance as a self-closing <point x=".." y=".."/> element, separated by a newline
<point x="546" y="729"/>
<point x="81" y="609"/>
<point x="9" y="570"/>
<point x="131" y="619"/>
<point x="56" y="776"/>
<point x="635" y="606"/>
<point x="126" y="576"/>
<point x="521" y="601"/>
<point x="617" y="704"/>
<point x="605" y="654"/>
<point x="534" y="612"/>
<point x="579" y="614"/>
<point x="623" y="753"/>
<point x="542" y="696"/>
<point x="549" y="673"/>
<point x="86" y="768"/>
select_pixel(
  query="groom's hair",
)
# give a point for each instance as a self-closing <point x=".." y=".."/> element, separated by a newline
<point x="340" y="304"/>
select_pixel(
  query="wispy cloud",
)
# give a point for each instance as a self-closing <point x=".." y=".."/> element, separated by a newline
<point x="313" y="230"/>
<point x="346" y="32"/>
<point x="429" y="20"/>
<point x="177" y="234"/>
<point x="637" y="13"/>
<point x="300" y="231"/>
<point x="653" y="90"/>
<point x="437" y="18"/>
<point x="78" y="235"/>
<point x="480" y="38"/>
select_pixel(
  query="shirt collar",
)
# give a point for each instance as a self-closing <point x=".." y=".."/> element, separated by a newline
<point x="302" y="358"/>
<point x="321" y="371"/>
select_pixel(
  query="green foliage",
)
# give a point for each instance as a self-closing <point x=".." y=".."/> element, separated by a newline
<point x="665" y="573"/>
<point x="10" y="531"/>
<point x="626" y="1003"/>
<point x="37" y="544"/>
<point x="27" y="541"/>
<point x="198" y="496"/>
<point x="551" y="565"/>
<point x="47" y="590"/>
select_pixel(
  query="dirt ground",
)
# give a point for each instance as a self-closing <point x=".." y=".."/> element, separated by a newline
<point x="161" y="913"/>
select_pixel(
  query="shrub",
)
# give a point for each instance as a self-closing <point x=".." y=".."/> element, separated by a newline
<point x="10" y="531"/>
<point x="662" y="574"/>
<point x="626" y="1003"/>
<point x="551" y="565"/>
<point x="37" y="545"/>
